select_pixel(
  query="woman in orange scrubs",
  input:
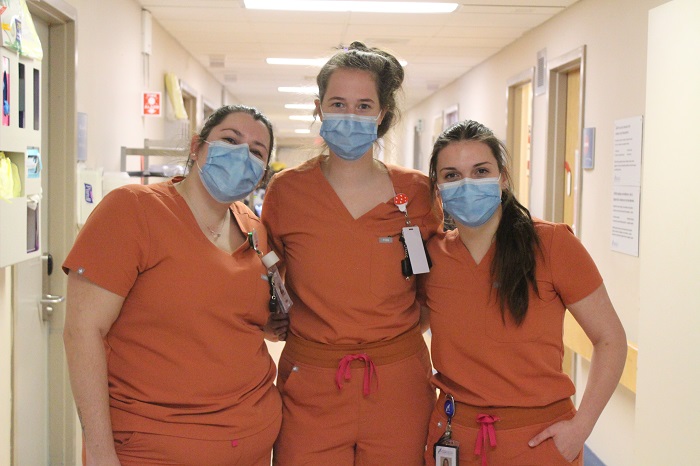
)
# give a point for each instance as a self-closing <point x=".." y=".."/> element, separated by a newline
<point x="500" y="284"/>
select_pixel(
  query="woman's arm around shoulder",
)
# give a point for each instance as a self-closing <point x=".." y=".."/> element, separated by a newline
<point x="90" y="313"/>
<point x="597" y="317"/>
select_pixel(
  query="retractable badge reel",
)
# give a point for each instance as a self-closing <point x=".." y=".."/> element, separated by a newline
<point x="416" y="258"/>
<point x="447" y="447"/>
<point x="279" y="298"/>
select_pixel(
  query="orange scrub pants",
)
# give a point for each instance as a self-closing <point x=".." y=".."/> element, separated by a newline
<point x="378" y="417"/>
<point x="146" y="449"/>
<point x="512" y="432"/>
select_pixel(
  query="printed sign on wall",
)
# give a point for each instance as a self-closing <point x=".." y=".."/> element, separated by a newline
<point x="151" y="104"/>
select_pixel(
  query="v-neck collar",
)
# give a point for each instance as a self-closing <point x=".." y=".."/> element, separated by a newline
<point x="340" y="206"/>
<point x="461" y="248"/>
<point x="192" y="221"/>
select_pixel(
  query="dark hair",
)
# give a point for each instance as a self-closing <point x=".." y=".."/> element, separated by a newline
<point x="513" y="267"/>
<point x="388" y="76"/>
<point x="220" y="114"/>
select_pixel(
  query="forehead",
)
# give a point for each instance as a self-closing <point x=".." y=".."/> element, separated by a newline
<point x="465" y="153"/>
<point x="246" y="125"/>
<point x="347" y="83"/>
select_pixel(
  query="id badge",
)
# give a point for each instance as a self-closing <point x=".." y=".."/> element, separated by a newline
<point x="285" y="302"/>
<point x="416" y="250"/>
<point x="446" y="452"/>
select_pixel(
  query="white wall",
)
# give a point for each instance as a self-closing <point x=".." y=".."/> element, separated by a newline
<point x="615" y="35"/>
<point x="112" y="76"/>
<point x="668" y="426"/>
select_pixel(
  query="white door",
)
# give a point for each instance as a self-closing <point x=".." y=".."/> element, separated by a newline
<point x="30" y="426"/>
<point x="30" y="367"/>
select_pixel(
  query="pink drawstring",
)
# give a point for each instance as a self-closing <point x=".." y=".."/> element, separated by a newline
<point x="486" y="421"/>
<point x="344" y="371"/>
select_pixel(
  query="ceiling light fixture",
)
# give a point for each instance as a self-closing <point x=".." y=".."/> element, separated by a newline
<point x="302" y="131"/>
<point x="354" y="6"/>
<point x="317" y="62"/>
<point x="313" y="90"/>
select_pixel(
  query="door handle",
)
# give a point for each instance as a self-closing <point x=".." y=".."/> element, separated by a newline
<point x="49" y="263"/>
<point x="46" y="308"/>
<point x="52" y="299"/>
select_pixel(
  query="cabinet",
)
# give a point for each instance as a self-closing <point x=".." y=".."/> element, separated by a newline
<point x="20" y="141"/>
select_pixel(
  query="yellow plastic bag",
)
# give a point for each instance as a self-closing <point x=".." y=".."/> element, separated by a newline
<point x="16" y="182"/>
<point x="7" y="180"/>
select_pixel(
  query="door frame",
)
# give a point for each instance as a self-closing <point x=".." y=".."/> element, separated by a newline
<point x="516" y="81"/>
<point x="60" y="69"/>
<point x="556" y="134"/>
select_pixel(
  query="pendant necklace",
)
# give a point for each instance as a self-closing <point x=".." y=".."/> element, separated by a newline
<point x="217" y="234"/>
<point x="195" y="213"/>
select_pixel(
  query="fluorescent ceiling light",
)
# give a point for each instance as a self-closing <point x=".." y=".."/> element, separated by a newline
<point x="300" y="106"/>
<point x="302" y="117"/>
<point x="302" y="131"/>
<point x="355" y="6"/>
<point x="299" y="90"/>
<point x="317" y="62"/>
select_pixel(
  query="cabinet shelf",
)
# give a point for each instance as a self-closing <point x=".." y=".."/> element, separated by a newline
<point x="152" y="149"/>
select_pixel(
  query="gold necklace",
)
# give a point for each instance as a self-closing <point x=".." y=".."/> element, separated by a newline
<point x="195" y="212"/>
<point x="216" y="234"/>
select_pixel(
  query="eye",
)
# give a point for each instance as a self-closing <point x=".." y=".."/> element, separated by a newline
<point x="482" y="172"/>
<point x="364" y="107"/>
<point x="258" y="154"/>
<point x="451" y="176"/>
<point x="229" y="140"/>
<point x="337" y="105"/>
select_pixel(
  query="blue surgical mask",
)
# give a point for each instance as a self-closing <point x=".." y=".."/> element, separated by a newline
<point x="471" y="202"/>
<point x="231" y="172"/>
<point x="349" y="136"/>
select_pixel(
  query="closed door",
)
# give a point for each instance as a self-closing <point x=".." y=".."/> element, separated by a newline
<point x="30" y="386"/>
<point x="573" y="143"/>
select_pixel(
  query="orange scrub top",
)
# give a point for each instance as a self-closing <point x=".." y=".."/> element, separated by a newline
<point x="483" y="362"/>
<point x="186" y="356"/>
<point x="344" y="274"/>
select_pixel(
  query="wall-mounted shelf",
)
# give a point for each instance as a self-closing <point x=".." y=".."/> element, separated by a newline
<point x="20" y="141"/>
<point x="152" y="148"/>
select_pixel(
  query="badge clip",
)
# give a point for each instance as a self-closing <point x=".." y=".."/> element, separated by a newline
<point x="279" y="298"/>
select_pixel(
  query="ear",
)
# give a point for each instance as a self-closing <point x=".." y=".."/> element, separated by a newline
<point x="317" y="112"/>
<point x="195" y="144"/>
<point x="382" y="114"/>
<point x="504" y="181"/>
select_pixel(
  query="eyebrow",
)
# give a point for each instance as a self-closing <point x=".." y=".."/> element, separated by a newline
<point x="367" y="99"/>
<point x="477" y="165"/>
<point x="239" y="134"/>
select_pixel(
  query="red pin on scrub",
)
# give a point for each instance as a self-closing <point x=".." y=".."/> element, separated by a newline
<point x="401" y="200"/>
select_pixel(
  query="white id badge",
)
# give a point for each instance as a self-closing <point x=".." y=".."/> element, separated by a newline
<point x="447" y="455"/>
<point x="285" y="302"/>
<point x="416" y="251"/>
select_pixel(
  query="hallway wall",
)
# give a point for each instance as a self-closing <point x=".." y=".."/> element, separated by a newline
<point x="668" y="426"/>
<point x="112" y="76"/>
<point x="615" y="36"/>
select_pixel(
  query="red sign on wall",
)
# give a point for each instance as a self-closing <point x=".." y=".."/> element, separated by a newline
<point x="151" y="103"/>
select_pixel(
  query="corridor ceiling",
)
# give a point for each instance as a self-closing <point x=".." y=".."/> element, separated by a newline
<point x="233" y="42"/>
